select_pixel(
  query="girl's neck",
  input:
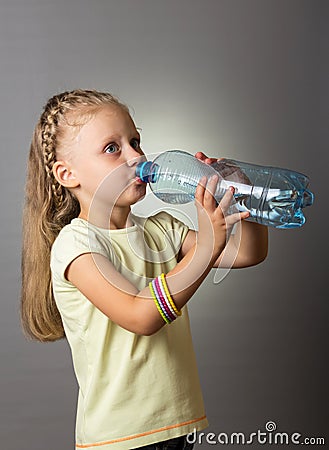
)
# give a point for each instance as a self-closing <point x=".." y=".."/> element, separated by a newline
<point x="120" y="218"/>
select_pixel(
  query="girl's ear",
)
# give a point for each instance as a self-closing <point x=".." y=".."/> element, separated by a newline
<point x="65" y="175"/>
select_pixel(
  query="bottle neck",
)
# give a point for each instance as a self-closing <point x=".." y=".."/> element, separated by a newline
<point x="146" y="171"/>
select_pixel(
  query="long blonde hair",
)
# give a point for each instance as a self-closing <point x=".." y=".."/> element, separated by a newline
<point x="49" y="207"/>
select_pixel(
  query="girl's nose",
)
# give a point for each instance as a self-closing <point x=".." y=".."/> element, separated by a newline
<point x="134" y="157"/>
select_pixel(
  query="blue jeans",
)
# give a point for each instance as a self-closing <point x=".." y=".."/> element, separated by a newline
<point x="179" y="443"/>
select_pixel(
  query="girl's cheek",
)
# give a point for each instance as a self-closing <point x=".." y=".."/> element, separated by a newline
<point x="112" y="185"/>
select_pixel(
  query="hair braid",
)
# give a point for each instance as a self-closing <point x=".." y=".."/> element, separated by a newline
<point x="49" y="152"/>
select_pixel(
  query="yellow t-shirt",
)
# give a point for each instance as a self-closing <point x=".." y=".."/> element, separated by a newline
<point x="133" y="390"/>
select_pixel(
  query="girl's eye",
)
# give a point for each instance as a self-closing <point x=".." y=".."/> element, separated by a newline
<point x="135" y="143"/>
<point x="111" y="148"/>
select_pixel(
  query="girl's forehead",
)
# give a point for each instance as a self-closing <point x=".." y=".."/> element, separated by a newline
<point x="107" y="119"/>
<point x="110" y="117"/>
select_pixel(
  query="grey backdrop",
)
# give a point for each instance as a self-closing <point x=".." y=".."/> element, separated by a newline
<point x="245" y="79"/>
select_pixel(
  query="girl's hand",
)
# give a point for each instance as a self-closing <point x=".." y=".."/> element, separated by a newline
<point x="215" y="223"/>
<point x="226" y="168"/>
<point x="202" y="157"/>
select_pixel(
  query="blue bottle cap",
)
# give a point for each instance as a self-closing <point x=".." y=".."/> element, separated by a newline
<point x="146" y="171"/>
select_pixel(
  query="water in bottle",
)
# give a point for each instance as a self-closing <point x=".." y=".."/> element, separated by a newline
<point x="273" y="196"/>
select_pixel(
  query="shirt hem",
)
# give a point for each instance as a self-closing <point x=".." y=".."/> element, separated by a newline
<point x="199" y="424"/>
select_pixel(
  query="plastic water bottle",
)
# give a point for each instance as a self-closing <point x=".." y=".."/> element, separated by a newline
<point x="273" y="196"/>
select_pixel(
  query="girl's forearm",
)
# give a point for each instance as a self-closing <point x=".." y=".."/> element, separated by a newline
<point x="251" y="245"/>
<point x="182" y="281"/>
<point x="117" y="298"/>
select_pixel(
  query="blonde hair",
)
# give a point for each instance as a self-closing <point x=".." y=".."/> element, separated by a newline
<point x="49" y="207"/>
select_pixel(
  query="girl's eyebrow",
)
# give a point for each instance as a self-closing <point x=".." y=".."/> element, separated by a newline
<point x="110" y="137"/>
<point x="114" y="137"/>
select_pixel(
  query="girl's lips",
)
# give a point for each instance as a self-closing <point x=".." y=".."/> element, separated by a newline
<point x="139" y="181"/>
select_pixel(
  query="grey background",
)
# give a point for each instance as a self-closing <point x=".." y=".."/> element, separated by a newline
<point x="245" y="79"/>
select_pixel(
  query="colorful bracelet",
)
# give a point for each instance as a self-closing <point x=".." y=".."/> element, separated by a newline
<point x="165" y="305"/>
<point x="163" y="300"/>
<point x="161" y="303"/>
<point x="164" y="284"/>
<point x="157" y="303"/>
<point x="160" y="287"/>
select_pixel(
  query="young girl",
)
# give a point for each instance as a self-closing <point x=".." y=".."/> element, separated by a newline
<point x="114" y="284"/>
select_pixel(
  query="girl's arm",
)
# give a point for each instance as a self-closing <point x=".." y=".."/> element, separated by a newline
<point x="249" y="244"/>
<point x="247" y="247"/>
<point x="98" y="280"/>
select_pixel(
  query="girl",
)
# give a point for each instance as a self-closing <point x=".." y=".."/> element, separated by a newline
<point x="113" y="283"/>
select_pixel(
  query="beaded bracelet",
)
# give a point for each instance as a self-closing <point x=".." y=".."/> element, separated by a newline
<point x="171" y="301"/>
<point x="157" y="303"/>
<point x="163" y="300"/>
<point x="162" y="293"/>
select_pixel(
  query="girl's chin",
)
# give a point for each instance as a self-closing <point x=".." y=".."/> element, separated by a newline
<point x="141" y="193"/>
<point x="139" y="185"/>
<point x="133" y="194"/>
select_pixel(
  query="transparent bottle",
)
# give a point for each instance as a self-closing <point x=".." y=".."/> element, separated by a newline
<point x="273" y="196"/>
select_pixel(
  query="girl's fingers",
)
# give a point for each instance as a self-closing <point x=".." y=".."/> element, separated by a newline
<point x="209" y="195"/>
<point x="200" y="191"/>
<point x="226" y="201"/>
<point x="202" y="157"/>
<point x="205" y="197"/>
<point x="236" y="217"/>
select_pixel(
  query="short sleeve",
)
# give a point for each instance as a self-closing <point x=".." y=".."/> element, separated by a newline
<point x="74" y="240"/>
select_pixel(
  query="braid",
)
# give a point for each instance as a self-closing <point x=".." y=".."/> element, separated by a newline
<point x="49" y="132"/>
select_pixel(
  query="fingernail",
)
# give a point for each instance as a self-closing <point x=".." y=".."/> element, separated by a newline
<point x="232" y="189"/>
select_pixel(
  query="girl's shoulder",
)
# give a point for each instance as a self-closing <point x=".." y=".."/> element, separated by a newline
<point x="77" y="229"/>
<point x="75" y="239"/>
<point x="80" y="234"/>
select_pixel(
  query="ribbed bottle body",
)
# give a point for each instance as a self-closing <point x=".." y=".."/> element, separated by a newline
<point x="273" y="196"/>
